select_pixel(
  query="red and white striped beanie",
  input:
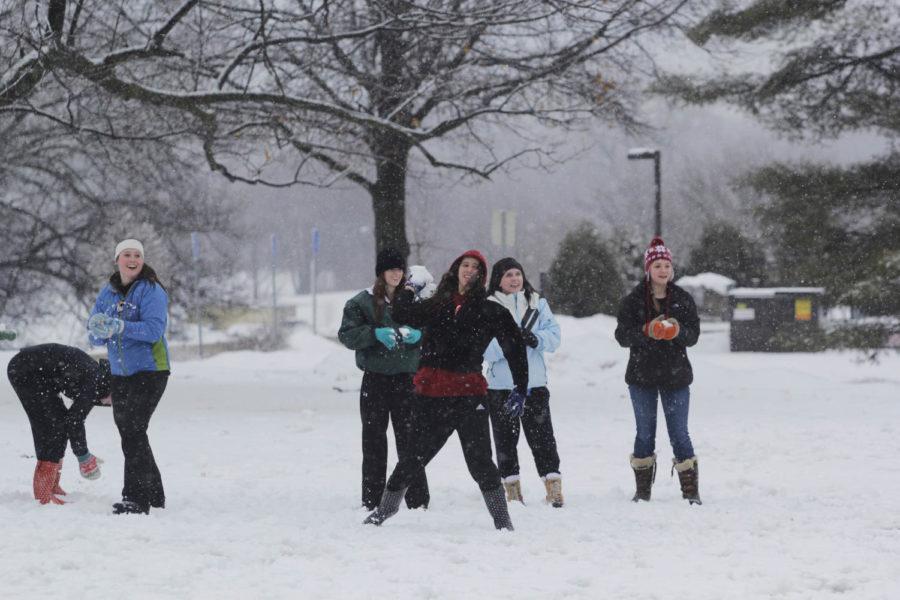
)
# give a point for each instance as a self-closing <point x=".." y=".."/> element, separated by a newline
<point x="655" y="251"/>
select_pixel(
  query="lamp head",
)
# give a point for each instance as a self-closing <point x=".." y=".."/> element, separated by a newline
<point x="640" y="153"/>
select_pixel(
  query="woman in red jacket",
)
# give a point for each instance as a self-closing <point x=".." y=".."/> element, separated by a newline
<point x="457" y="325"/>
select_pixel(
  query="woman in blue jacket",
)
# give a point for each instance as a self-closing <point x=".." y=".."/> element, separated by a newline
<point x="510" y="288"/>
<point x="129" y="317"/>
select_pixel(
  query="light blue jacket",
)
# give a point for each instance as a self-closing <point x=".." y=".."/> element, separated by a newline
<point x="546" y="329"/>
<point x="142" y="345"/>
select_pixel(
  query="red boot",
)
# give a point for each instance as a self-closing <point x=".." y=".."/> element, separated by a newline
<point x="46" y="478"/>
<point x="56" y="489"/>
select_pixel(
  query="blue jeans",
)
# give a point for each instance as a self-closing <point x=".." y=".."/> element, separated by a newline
<point x="675" y="405"/>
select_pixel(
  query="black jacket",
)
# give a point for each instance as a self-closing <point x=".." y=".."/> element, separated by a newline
<point x="658" y="363"/>
<point x="54" y="369"/>
<point x="456" y="341"/>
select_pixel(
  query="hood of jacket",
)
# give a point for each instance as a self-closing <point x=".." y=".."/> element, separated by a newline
<point x="516" y="303"/>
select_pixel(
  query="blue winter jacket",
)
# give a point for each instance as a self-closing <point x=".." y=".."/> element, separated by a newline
<point x="142" y="345"/>
<point x="546" y="329"/>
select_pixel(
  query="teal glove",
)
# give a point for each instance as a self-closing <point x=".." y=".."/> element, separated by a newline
<point x="387" y="336"/>
<point x="411" y="335"/>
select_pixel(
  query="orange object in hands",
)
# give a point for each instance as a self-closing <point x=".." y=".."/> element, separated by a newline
<point x="672" y="329"/>
<point x="655" y="329"/>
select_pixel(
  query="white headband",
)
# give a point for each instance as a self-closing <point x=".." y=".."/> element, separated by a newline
<point x="129" y="245"/>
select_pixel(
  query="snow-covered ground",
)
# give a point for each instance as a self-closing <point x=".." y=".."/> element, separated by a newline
<point x="260" y="455"/>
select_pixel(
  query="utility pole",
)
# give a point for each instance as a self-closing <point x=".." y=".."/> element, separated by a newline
<point x="195" y="253"/>
<point x="652" y="153"/>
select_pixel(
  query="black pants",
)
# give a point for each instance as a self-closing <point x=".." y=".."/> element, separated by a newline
<point x="47" y="415"/>
<point x="134" y="398"/>
<point x="538" y="432"/>
<point x="434" y="420"/>
<point x="383" y="398"/>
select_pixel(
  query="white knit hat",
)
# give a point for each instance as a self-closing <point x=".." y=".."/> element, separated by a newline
<point x="129" y="245"/>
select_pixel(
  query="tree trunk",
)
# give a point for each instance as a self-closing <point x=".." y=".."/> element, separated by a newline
<point x="391" y="150"/>
<point x="389" y="193"/>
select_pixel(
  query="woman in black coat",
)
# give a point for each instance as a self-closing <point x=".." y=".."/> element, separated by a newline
<point x="40" y="375"/>
<point x="457" y="325"/>
<point x="657" y="322"/>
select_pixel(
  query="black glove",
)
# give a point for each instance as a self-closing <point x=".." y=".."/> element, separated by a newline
<point x="530" y="339"/>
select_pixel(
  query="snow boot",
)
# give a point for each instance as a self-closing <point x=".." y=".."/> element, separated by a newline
<point x="553" y="483"/>
<point x="513" y="488"/>
<point x="689" y="477"/>
<point x="56" y="489"/>
<point x="390" y="504"/>
<point x="129" y="507"/>
<point x="644" y="476"/>
<point x="46" y="480"/>
<point x="496" y="505"/>
<point x="89" y="466"/>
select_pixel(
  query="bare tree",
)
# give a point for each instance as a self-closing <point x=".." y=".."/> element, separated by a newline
<point x="319" y="91"/>
<point x="66" y="197"/>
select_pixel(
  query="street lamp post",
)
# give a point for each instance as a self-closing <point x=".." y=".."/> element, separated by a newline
<point x="648" y="153"/>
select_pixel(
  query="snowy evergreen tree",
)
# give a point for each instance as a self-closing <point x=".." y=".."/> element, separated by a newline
<point x="724" y="249"/>
<point x="838" y="73"/>
<point x="836" y="227"/>
<point x="584" y="279"/>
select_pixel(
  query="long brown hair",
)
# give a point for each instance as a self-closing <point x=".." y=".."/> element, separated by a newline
<point x="449" y="285"/>
<point x="380" y="292"/>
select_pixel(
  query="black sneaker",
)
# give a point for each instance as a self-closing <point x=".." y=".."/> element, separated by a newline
<point x="127" y="507"/>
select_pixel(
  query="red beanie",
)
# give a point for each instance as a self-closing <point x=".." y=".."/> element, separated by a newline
<point x="477" y="256"/>
<point x="655" y="251"/>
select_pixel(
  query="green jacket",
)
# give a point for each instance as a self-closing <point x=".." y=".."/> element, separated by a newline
<point x="357" y="332"/>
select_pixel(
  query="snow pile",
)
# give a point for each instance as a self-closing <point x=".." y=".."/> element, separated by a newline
<point x="260" y="455"/>
<point x="707" y="281"/>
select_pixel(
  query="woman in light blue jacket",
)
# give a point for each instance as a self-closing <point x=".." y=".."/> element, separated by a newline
<point x="510" y="288"/>
<point x="129" y="318"/>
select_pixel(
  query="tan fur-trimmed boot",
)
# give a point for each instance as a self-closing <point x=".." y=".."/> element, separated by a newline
<point x="553" y="483"/>
<point x="513" y="488"/>
<point x="644" y="476"/>
<point x="689" y="478"/>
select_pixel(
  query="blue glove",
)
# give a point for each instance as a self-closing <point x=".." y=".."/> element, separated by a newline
<point x="117" y="326"/>
<point x="387" y="336"/>
<point x="104" y="327"/>
<point x="515" y="404"/>
<point x="410" y="335"/>
<point x="98" y="327"/>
